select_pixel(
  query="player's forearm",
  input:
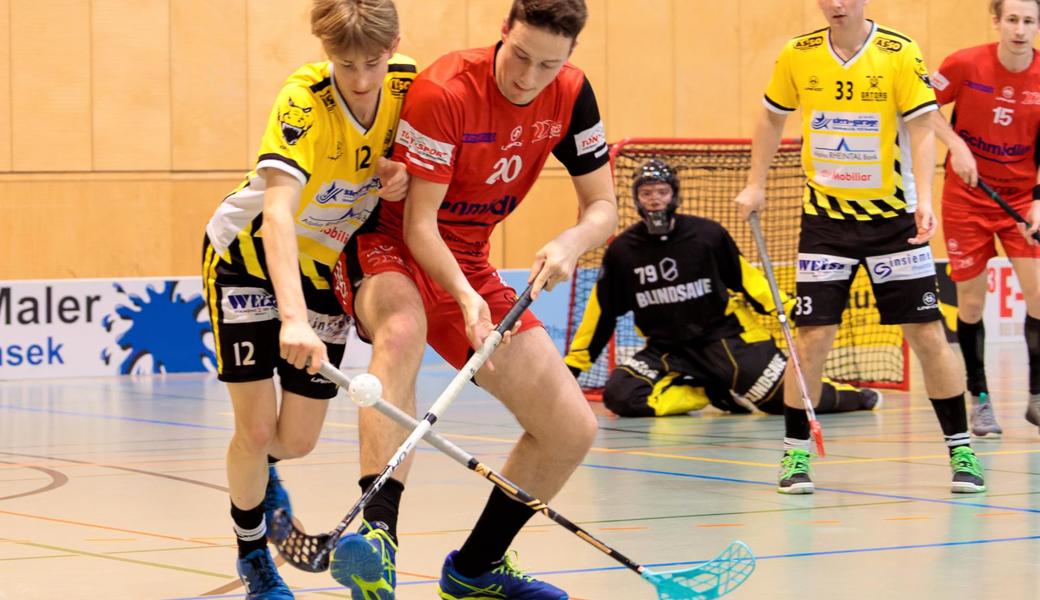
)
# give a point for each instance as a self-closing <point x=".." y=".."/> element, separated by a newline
<point x="433" y="255"/>
<point x="764" y="143"/>
<point x="595" y="226"/>
<point x="943" y="130"/>
<point x="424" y="240"/>
<point x="282" y="258"/>
<point x="922" y="149"/>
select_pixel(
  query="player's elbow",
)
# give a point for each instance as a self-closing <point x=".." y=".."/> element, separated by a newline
<point x="414" y="236"/>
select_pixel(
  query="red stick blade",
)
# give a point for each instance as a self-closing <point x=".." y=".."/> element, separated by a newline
<point x="817" y="433"/>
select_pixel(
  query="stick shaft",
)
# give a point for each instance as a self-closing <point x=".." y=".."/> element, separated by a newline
<point x="468" y="371"/>
<point x="781" y="315"/>
<point x="1007" y="207"/>
<point x="472" y="463"/>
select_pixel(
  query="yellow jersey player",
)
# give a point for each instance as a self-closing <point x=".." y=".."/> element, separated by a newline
<point x="867" y="121"/>
<point x="272" y="243"/>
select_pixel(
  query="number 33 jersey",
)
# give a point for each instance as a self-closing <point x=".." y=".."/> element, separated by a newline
<point x="855" y="148"/>
<point x="458" y="129"/>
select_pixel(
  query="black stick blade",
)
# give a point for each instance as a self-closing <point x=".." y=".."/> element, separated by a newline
<point x="305" y="552"/>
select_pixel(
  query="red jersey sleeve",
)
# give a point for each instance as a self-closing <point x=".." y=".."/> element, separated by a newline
<point x="947" y="80"/>
<point x="429" y="132"/>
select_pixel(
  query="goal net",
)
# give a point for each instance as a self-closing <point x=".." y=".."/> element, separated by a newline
<point x="711" y="174"/>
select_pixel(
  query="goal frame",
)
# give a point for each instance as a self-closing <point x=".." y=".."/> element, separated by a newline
<point x="596" y="394"/>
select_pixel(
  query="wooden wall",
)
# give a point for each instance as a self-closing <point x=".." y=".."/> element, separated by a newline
<point x="123" y="122"/>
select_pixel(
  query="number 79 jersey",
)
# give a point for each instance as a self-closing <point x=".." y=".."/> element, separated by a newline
<point x="855" y="148"/>
<point x="458" y="129"/>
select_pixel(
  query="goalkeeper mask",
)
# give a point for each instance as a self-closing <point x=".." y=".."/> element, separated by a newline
<point x="660" y="219"/>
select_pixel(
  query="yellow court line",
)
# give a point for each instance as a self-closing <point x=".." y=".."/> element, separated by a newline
<point x="690" y="458"/>
<point x="726" y="461"/>
<point x="118" y="558"/>
<point x="852" y="461"/>
<point x="105" y="527"/>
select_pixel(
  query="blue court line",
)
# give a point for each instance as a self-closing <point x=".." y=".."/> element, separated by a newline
<point x="69" y="413"/>
<point x="584" y="465"/>
<point x="818" y="489"/>
<point x="1031" y="538"/>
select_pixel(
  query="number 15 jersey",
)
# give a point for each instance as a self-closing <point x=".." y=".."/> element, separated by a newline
<point x="855" y="146"/>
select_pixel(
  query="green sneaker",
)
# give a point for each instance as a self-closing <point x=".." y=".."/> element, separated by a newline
<point x="967" y="471"/>
<point x="365" y="562"/>
<point x="794" y="473"/>
<point x="505" y="581"/>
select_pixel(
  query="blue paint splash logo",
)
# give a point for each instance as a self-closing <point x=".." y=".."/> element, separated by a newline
<point x="162" y="332"/>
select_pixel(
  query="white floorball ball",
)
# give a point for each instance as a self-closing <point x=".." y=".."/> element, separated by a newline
<point x="365" y="389"/>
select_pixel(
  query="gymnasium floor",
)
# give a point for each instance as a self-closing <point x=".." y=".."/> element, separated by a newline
<point x="114" y="489"/>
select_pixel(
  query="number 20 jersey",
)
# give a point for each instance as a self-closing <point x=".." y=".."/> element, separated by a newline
<point x="855" y="148"/>
<point x="458" y="129"/>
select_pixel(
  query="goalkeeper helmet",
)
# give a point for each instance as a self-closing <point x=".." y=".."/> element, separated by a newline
<point x="658" y="222"/>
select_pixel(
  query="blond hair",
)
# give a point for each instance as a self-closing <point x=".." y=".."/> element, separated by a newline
<point x="369" y="27"/>
<point x="997" y="7"/>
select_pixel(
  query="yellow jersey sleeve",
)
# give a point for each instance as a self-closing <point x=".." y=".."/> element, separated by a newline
<point x="782" y="92"/>
<point x="913" y="90"/>
<point x="288" y="143"/>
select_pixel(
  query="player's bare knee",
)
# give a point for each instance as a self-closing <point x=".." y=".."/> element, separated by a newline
<point x="573" y="439"/>
<point x="401" y="336"/>
<point x="928" y="340"/>
<point x="970" y="310"/>
<point x="295" y="446"/>
<point x="1032" y="300"/>
<point x="254" y="438"/>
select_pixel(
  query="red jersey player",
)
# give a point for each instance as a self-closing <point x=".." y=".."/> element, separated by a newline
<point x="995" y="89"/>
<point x="476" y="129"/>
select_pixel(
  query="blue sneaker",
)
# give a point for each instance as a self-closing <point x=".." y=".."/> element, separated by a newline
<point x="365" y="563"/>
<point x="261" y="578"/>
<point x="503" y="582"/>
<point x="275" y="497"/>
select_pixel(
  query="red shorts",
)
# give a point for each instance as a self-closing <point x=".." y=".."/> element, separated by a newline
<point x="377" y="252"/>
<point x="970" y="228"/>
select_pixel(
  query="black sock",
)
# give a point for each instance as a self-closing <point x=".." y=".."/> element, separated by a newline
<point x="250" y="528"/>
<point x="972" y="340"/>
<point x="501" y="520"/>
<point x="796" y="428"/>
<point x="953" y="418"/>
<point x="384" y="506"/>
<point x="838" y="398"/>
<point x="1032" y="330"/>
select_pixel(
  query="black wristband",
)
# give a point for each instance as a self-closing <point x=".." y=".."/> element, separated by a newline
<point x="1036" y="192"/>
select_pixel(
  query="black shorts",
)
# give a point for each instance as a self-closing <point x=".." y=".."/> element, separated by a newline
<point x="246" y="326"/>
<point x="830" y="252"/>
<point x="724" y="368"/>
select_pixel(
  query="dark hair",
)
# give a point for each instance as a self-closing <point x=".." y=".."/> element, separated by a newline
<point x="562" y="17"/>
